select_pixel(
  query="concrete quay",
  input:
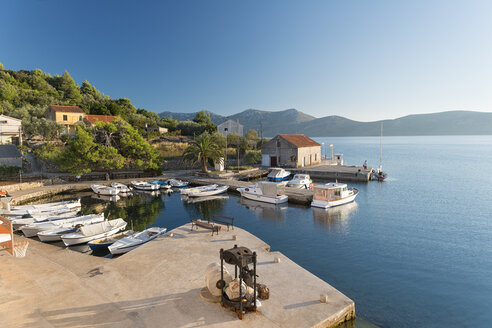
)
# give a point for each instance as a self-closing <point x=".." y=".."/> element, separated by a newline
<point x="336" y="172"/>
<point x="296" y="196"/>
<point x="158" y="285"/>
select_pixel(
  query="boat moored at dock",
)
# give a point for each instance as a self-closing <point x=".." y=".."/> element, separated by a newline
<point x="333" y="194"/>
<point x="300" y="181"/>
<point x="278" y="175"/>
<point x="177" y="183"/>
<point x="105" y="190"/>
<point x="102" y="243"/>
<point x="186" y="191"/>
<point x="263" y="192"/>
<point x="121" y="187"/>
<point x="33" y="229"/>
<point x="94" y="231"/>
<point x="142" y="185"/>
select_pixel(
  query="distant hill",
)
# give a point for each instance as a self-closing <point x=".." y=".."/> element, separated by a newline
<point x="294" y="121"/>
<point x="216" y="118"/>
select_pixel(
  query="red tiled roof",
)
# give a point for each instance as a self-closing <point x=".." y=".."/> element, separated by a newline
<point x="66" y="109"/>
<point x="299" y="140"/>
<point x="101" y="118"/>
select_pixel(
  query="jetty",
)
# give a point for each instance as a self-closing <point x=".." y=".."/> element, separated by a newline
<point x="159" y="285"/>
<point x="336" y="172"/>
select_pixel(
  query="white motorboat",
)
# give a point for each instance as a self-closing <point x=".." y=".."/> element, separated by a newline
<point x="41" y="209"/>
<point x="300" y="181"/>
<point x="177" y="183"/>
<point x="278" y="175"/>
<point x="210" y="192"/>
<point x="142" y="185"/>
<point x="162" y="185"/>
<point x="18" y="222"/>
<point x="67" y="203"/>
<point x="186" y="191"/>
<point x="263" y="192"/>
<point x="121" y="187"/>
<point x="94" y="231"/>
<point x="32" y="230"/>
<point x="333" y="194"/>
<point x="55" y="233"/>
<point x="128" y="243"/>
<point x="105" y="190"/>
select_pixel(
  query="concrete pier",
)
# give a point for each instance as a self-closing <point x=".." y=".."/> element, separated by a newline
<point x="158" y="285"/>
<point x="336" y="172"/>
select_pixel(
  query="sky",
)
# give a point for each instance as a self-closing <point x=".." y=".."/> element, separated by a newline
<point x="364" y="60"/>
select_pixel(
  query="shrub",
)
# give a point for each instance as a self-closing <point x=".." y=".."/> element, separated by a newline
<point x="252" y="157"/>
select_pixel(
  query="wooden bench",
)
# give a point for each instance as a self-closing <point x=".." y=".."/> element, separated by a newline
<point x="205" y="225"/>
<point x="224" y="220"/>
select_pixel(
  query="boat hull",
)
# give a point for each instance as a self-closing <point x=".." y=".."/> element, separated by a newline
<point x="46" y="238"/>
<point x="115" y="250"/>
<point x="217" y="191"/>
<point x="85" y="239"/>
<point x="334" y="203"/>
<point x="265" y="199"/>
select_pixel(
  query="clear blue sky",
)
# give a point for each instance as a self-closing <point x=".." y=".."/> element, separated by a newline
<point x="364" y="60"/>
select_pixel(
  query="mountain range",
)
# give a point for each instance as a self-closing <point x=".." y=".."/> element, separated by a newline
<point x="294" y="121"/>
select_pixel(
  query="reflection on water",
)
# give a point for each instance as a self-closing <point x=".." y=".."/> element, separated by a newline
<point x="205" y="209"/>
<point x="265" y="210"/>
<point x="106" y="197"/>
<point x="191" y="200"/>
<point x="335" y="217"/>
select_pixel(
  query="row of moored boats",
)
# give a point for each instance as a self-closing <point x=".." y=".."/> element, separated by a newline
<point x="153" y="185"/>
<point x="59" y="221"/>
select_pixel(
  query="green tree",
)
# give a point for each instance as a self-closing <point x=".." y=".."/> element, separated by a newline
<point x="78" y="156"/>
<point x="8" y="92"/>
<point x="252" y="135"/>
<point x="201" y="150"/>
<point x="108" y="159"/>
<point x="67" y="89"/>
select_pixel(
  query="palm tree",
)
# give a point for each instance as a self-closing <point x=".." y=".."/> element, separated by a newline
<point x="202" y="149"/>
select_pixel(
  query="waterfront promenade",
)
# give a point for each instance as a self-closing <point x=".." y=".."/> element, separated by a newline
<point x="157" y="285"/>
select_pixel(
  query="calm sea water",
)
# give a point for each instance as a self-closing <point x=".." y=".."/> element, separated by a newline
<point x="414" y="251"/>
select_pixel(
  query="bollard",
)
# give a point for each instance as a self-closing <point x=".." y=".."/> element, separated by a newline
<point x="234" y="237"/>
<point x="323" y="298"/>
<point x="277" y="260"/>
<point x="171" y="234"/>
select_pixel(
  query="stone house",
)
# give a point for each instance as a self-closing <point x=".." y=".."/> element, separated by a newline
<point x="10" y="130"/>
<point x="291" y="150"/>
<point x="229" y="127"/>
<point x="10" y="156"/>
<point x="68" y="116"/>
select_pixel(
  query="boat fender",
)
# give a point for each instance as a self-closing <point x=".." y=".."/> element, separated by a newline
<point x="311" y="186"/>
<point x="246" y="189"/>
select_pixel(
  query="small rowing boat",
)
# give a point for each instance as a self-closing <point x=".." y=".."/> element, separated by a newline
<point x="129" y="243"/>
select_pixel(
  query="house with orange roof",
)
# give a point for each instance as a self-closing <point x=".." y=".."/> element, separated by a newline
<point x="291" y="150"/>
<point x="90" y="120"/>
<point x="68" y="116"/>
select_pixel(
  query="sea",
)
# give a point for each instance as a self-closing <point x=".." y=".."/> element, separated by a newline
<point x="413" y="251"/>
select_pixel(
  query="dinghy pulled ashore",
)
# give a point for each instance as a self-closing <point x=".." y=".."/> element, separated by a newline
<point x="100" y="244"/>
<point x="56" y="233"/>
<point x="129" y="243"/>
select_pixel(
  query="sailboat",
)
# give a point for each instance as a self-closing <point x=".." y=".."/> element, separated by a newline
<point x="379" y="175"/>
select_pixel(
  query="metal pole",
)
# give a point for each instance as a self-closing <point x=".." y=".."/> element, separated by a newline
<point x="254" y="275"/>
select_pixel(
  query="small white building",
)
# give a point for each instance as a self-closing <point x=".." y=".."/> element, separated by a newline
<point x="229" y="127"/>
<point x="10" y="156"/>
<point x="10" y="130"/>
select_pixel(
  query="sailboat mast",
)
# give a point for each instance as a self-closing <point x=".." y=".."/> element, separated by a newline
<point x="381" y="147"/>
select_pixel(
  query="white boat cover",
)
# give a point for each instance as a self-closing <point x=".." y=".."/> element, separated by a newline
<point x="97" y="228"/>
<point x="268" y="189"/>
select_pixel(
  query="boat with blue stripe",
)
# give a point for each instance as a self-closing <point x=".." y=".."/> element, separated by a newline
<point x="278" y="175"/>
